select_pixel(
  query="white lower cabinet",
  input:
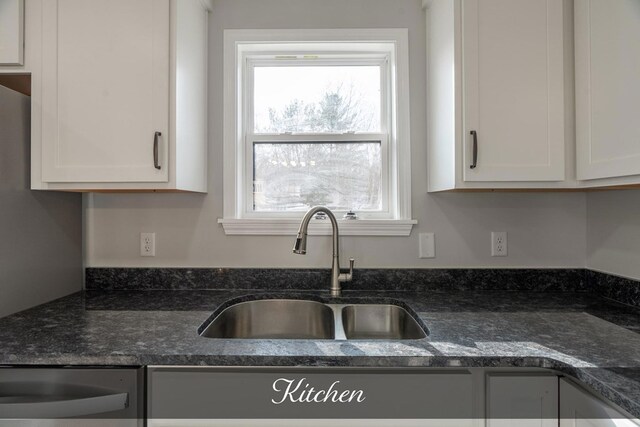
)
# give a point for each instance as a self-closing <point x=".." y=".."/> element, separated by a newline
<point x="522" y="400"/>
<point x="578" y="408"/>
<point x="319" y="397"/>
<point x="352" y="397"/>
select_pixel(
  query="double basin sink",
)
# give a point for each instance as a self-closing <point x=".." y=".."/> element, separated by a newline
<point x="306" y="319"/>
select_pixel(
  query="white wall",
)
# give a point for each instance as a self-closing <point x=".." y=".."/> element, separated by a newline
<point x="40" y="233"/>
<point x="545" y="230"/>
<point x="614" y="232"/>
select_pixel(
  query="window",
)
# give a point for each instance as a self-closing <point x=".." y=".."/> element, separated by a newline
<point x="316" y="118"/>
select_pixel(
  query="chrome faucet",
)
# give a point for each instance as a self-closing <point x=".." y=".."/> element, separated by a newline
<point x="300" y="248"/>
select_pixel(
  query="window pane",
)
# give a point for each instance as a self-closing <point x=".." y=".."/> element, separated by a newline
<point x="297" y="176"/>
<point x="317" y="99"/>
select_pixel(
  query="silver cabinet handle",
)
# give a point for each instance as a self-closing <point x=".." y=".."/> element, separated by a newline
<point x="474" y="134"/>
<point x="42" y="406"/>
<point x="156" y="141"/>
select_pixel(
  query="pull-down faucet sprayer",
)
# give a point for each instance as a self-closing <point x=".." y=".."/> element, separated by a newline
<point x="300" y="248"/>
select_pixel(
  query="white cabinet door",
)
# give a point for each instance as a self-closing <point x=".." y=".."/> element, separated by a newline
<point x="105" y="90"/>
<point x="522" y="400"/>
<point x="607" y="34"/>
<point x="580" y="409"/>
<point x="513" y="90"/>
<point x="11" y="32"/>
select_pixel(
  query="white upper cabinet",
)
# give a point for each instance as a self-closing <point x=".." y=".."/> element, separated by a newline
<point x="513" y="90"/>
<point x="581" y="409"/>
<point x="496" y="94"/>
<point x="11" y="32"/>
<point x="123" y="95"/>
<point x="105" y="90"/>
<point x="607" y="37"/>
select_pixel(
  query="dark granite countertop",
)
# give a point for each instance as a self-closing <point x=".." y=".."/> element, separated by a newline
<point x="596" y="341"/>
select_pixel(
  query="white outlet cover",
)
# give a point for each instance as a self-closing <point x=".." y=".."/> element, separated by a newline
<point x="499" y="244"/>
<point x="147" y="244"/>
<point x="427" y="245"/>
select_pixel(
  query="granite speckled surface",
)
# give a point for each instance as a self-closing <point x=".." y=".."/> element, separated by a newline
<point x="609" y="286"/>
<point x="589" y="338"/>
<point x="538" y="280"/>
<point x="615" y="287"/>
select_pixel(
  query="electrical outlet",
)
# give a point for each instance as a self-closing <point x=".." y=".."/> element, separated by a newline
<point x="147" y="244"/>
<point x="427" y="245"/>
<point x="499" y="243"/>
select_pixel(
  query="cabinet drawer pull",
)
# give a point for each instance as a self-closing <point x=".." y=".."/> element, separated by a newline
<point x="475" y="149"/>
<point x="156" y="140"/>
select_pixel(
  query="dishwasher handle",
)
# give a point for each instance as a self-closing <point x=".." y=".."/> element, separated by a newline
<point x="45" y="407"/>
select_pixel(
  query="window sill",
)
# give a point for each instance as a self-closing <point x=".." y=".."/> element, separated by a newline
<point x="289" y="227"/>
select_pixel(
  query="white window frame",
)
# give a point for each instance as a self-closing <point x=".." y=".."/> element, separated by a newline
<point x="243" y="49"/>
<point x="381" y="60"/>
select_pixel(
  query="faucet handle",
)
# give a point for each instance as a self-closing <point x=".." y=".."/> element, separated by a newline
<point x="347" y="277"/>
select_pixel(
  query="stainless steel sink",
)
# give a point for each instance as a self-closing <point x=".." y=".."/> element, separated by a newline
<point x="380" y="322"/>
<point x="303" y="319"/>
<point x="274" y="318"/>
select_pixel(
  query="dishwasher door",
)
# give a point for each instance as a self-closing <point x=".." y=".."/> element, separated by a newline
<point x="318" y="397"/>
<point x="69" y="397"/>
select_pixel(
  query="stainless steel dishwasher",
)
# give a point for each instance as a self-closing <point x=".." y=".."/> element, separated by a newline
<point x="71" y="397"/>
